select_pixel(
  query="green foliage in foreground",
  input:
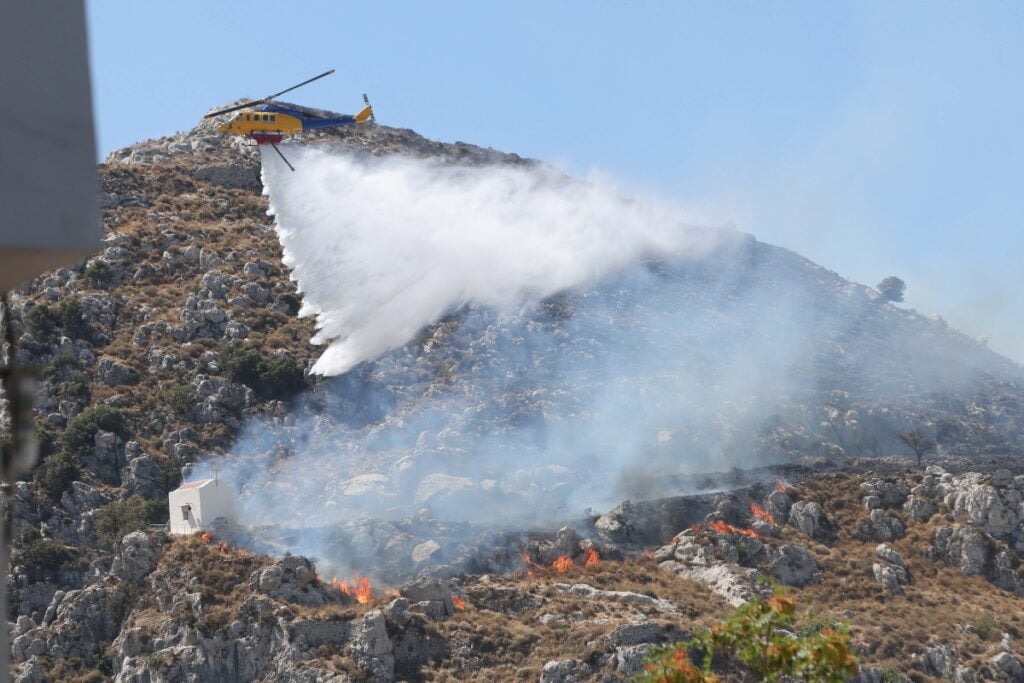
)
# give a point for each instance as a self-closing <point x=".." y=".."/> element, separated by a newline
<point x="757" y="637"/>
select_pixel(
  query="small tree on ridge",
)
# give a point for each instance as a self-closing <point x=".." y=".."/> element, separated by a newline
<point x="892" y="288"/>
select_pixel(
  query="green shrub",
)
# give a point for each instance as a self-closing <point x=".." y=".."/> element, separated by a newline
<point x="55" y="475"/>
<point x="280" y="377"/>
<point x="45" y="557"/>
<point x="76" y="389"/>
<point x="988" y="628"/>
<point x="242" y="364"/>
<point x="79" y="437"/>
<point x="48" y="442"/>
<point x="46" y="323"/>
<point x="181" y="399"/>
<point x="72" y="319"/>
<point x="290" y="302"/>
<point x="753" y="638"/>
<point x="117" y="519"/>
<point x="98" y="274"/>
<point x="42" y="322"/>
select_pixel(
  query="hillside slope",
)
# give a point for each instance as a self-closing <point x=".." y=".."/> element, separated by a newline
<point x="181" y="341"/>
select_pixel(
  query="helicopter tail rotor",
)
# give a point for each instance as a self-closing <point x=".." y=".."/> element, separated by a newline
<point x="367" y="113"/>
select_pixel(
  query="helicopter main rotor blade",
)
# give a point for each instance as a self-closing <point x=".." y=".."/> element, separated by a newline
<point x="243" y="105"/>
<point x="278" y="94"/>
<point x="267" y="98"/>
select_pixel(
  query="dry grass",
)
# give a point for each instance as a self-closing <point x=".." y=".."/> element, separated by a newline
<point x="222" y="572"/>
<point x="941" y="605"/>
<point x="515" y="645"/>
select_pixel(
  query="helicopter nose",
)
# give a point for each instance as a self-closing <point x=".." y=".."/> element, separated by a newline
<point x="224" y="127"/>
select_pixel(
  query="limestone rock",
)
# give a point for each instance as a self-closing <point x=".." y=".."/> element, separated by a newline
<point x="793" y="565"/>
<point x="810" y="518"/>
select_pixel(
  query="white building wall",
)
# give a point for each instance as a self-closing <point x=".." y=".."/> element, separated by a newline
<point x="184" y="507"/>
<point x="195" y="509"/>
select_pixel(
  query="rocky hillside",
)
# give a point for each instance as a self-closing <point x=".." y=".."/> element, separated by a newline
<point x="181" y="341"/>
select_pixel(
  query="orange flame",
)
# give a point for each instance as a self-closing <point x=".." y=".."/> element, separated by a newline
<point x="724" y="528"/>
<point x="779" y="486"/>
<point x="562" y="564"/>
<point x="223" y="547"/>
<point x="591" y="559"/>
<point x="205" y="538"/>
<point x="761" y="514"/>
<point x="360" y="589"/>
<point x="458" y="602"/>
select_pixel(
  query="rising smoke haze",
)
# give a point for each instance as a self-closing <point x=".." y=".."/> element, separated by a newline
<point x="508" y="347"/>
<point x="379" y="248"/>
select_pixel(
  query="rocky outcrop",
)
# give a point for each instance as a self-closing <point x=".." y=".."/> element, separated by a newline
<point x="881" y="526"/>
<point x="292" y="579"/>
<point x="891" y="570"/>
<point x="810" y="518"/>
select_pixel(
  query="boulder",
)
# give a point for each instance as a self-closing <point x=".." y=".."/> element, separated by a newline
<point x="434" y="592"/>
<point x="810" y="518"/>
<point x="880" y="527"/>
<point x="965" y="547"/>
<point x="566" y="671"/>
<point x="793" y="565"/>
<point x="113" y="373"/>
<point x="143" y="476"/>
<point x="920" y="508"/>
<point x="889" y="576"/>
<point x="938" y="660"/>
<point x="778" y="504"/>
<point x="136" y="558"/>
<point x="635" y="634"/>
<point x="371" y="647"/>
<point x="293" y="579"/>
<point x="1010" y="665"/>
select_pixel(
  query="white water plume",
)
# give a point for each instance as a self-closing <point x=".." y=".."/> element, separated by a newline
<point x="381" y="247"/>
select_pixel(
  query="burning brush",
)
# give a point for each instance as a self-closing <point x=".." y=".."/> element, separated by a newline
<point x="563" y="563"/>
<point x="361" y="589"/>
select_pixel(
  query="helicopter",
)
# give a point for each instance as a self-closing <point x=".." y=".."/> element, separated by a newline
<point x="266" y="123"/>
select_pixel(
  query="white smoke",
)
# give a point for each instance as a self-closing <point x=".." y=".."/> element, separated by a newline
<point x="381" y="247"/>
<point x="670" y="350"/>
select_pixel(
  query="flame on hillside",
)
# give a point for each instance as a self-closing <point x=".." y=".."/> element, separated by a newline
<point x="781" y="486"/>
<point x="561" y="564"/>
<point x="458" y="602"/>
<point x="206" y="537"/>
<point x="360" y="588"/>
<point x="761" y="514"/>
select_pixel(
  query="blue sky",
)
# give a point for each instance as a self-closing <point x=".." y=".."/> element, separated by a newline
<point x="875" y="138"/>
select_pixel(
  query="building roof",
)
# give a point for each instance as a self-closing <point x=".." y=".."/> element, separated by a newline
<point x="195" y="484"/>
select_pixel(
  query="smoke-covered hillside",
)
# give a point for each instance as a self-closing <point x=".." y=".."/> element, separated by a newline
<point x="513" y="346"/>
<point x="498" y="348"/>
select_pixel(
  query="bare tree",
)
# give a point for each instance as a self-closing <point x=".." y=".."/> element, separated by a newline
<point x="917" y="441"/>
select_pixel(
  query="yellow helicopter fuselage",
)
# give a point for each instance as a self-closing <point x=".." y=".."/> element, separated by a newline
<point x="251" y="121"/>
